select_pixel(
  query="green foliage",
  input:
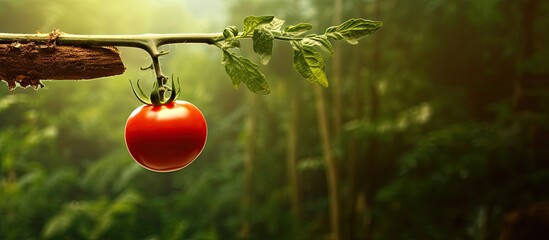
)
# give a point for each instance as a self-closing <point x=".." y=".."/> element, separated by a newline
<point x="241" y="69"/>
<point x="309" y="63"/>
<point x="307" y="59"/>
<point x="263" y="44"/>
<point x="353" y="30"/>
<point x="448" y="151"/>
<point x="297" y="30"/>
<point x="252" y="22"/>
<point x="98" y="216"/>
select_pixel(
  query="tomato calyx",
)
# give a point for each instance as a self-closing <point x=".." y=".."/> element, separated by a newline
<point x="156" y="97"/>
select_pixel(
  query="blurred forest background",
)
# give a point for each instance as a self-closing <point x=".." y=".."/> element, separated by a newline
<point x="435" y="127"/>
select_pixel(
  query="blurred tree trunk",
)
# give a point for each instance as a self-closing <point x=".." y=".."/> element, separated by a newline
<point x="526" y="81"/>
<point x="291" y="157"/>
<point x="357" y="108"/>
<point x="336" y="76"/>
<point x="337" y="122"/>
<point x="331" y="169"/>
<point x="529" y="102"/>
<point x="336" y="115"/>
<point x="292" y="150"/>
<point x="249" y="156"/>
<point x="365" y="169"/>
<point x="354" y="148"/>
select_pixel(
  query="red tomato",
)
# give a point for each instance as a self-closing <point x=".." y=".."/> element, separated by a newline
<point x="165" y="138"/>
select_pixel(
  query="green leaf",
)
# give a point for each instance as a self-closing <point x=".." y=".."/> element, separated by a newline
<point x="353" y="30"/>
<point x="263" y="44"/>
<point x="318" y="41"/>
<point x="275" y="24"/>
<point x="251" y="22"/>
<point x="241" y="69"/>
<point x="296" y="30"/>
<point x="309" y="63"/>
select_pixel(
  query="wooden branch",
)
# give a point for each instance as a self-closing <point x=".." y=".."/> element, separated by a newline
<point x="28" y="63"/>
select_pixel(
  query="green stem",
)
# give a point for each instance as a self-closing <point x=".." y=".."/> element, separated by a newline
<point x="277" y="36"/>
<point x="147" y="42"/>
<point x="285" y="38"/>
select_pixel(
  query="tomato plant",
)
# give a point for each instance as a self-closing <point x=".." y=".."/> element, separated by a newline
<point x="166" y="137"/>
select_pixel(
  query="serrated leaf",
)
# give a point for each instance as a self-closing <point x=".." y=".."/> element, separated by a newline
<point x="296" y="30"/>
<point x="309" y="63"/>
<point x="318" y="41"/>
<point x="241" y="69"/>
<point x="353" y="30"/>
<point x="228" y="61"/>
<point x="251" y="22"/>
<point x="263" y="44"/>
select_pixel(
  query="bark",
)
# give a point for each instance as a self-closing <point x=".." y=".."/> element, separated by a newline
<point x="27" y="64"/>
<point x="331" y="168"/>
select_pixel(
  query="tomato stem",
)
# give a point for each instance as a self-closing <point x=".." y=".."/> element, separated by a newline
<point x="161" y="79"/>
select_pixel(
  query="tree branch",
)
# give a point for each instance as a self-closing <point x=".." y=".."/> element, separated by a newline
<point x="25" y="59"/>
<point x="26" y="64"/>
<point x="147" y="42"/>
